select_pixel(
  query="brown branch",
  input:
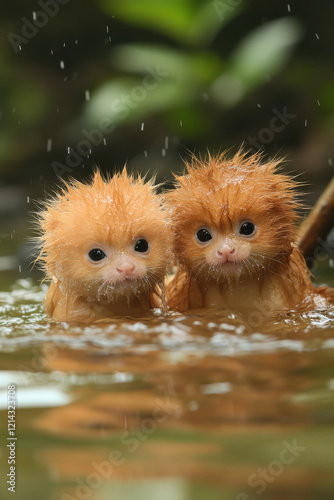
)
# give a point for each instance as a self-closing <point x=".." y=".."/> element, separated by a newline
<point x="318" y="223"/>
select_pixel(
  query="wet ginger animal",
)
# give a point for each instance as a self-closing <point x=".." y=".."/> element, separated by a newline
<point x="105" y="248"/>
<point x="234" y="231"/>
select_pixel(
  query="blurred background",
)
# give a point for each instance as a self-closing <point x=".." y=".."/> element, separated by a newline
<point x="144" y="82"/>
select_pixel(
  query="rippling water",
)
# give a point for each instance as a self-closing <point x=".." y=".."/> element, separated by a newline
<point x="184" y="407"/>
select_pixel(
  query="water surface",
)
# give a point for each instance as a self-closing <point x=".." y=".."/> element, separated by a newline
<point x="184" y="407"/>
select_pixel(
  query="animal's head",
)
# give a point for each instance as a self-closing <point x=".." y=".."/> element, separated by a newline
<point x="106" y="238"/>
<point x="232" y="218"/>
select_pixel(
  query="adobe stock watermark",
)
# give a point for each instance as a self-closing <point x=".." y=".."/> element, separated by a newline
<point x="120" y="107"/>
<point x="262" y="477"/>
<point x="277" y="124"/>
<point x="40" y="19"/>
<point x="225" y="7"/>
<point x="131" y="441"/>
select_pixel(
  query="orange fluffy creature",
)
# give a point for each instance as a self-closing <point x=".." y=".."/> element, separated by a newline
<point x="105" y="248"/>
<point x="234" y="223"/>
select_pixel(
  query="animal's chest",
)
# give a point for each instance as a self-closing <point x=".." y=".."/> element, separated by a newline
<point x="248" y="298"/>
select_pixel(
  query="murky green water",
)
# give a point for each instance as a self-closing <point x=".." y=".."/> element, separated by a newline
<point x="189" y="407"/>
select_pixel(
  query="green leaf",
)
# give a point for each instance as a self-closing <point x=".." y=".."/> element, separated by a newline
<point x="266" y="50"/>
<point x="181" y="67"/>
<point x="186" y="21"/>
<point x="260" y="55"/>
<point x="171" y="17"/>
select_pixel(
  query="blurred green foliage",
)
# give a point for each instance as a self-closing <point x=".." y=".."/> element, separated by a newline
<point x="144" y="81"/>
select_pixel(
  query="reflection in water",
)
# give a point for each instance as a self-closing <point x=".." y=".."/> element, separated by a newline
<point x="183" y="407"/>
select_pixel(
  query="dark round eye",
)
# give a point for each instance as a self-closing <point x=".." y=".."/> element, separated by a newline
<point x="141" y="246"/>
<point x="96" y="254"/>
<point x="247" y="228"/>
<point x="203" y="235"/>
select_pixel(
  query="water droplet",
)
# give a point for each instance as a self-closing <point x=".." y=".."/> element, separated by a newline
<point x="142" y="126"/>
<point x="87" y="95"/>
<point x="62" y="65"/>
<point x="49" y="145"/>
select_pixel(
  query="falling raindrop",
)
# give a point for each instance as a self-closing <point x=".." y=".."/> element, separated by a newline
<point x="163" y="152"/>
<point x="145" y="153"/>
<point x="166" y="141"/>
<point x="181" y="123"/>
<point x="34" y="16"/>
<point x="49" y="145"/>
<point x="62" y="65"/>
<point x="87" y="95"/>
<point x="289" y="8"/>
<point x="317" y="36"/>
<point x="330" y="162"/>
<point x="142" y="126"/>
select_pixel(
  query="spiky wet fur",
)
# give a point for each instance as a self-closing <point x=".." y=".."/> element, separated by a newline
<point x="113" y="211"/>
<point x="217" y="192"/>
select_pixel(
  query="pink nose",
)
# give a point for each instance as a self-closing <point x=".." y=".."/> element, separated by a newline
<point x="226" y="251"/>
<point x="125" y="268"/>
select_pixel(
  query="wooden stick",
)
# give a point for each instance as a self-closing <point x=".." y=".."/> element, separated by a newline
<point x="318" y="223"/>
